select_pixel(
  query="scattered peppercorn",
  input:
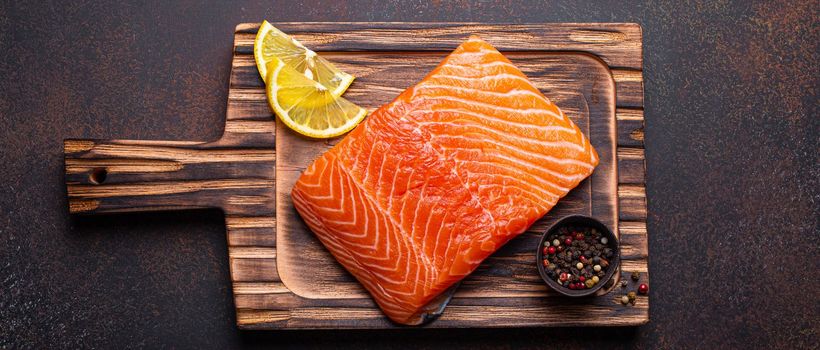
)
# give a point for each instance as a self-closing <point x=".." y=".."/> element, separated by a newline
<point x="636" y="276"/>
<point x="631" y="296"/>
<point x="624" y="300"/>
<point x="623" y="284"/>
<point x="643" y="288"/>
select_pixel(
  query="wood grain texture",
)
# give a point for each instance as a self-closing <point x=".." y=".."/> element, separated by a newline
<point x="237" y="173"/>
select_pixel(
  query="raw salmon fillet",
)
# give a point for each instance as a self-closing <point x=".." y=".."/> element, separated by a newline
<point x="432" y="183"/>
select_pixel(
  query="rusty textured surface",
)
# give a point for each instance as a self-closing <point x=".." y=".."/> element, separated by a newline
<point x="732" y="133"/>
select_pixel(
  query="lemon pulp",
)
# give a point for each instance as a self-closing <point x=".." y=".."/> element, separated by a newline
<point x="306" y="106"/>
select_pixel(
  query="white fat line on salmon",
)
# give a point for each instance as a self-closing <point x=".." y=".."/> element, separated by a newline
<point x="509" y="94"/>
<point x="485" y="78"/>
<point x="382" y="167"/>
<point x="480" y="68"/>
<point x="520" y="126"/>
<point x="530" y="188"/>
<point x="486" y="118"/>
<point x="536" y="111"/>
<point x="542" y="144"/>
<point x="445" y="225"/>
<point x="526" y="165"/>
<point x="370" y="150"/>
<point x="522" y="170"/>
<point x="513" y="150"/>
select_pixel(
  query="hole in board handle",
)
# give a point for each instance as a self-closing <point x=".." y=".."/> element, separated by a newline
<point x="98" y="176"/>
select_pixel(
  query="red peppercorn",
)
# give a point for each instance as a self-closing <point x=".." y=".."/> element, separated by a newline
<point x="643" y="288"/>
<point x="568" y="241"/>
<point x="581" y="285"/>
<point x="571" y="286"/>
<point x="563" y="276"/>
<point x="546" y="262"/>
<point x="579" y="236"/>
<point x="551" y="250"/>
<point x="582" y="279"/>
<point x="560" y="248"/>
<point x="583" y="259"/>
<point x="545" y="251"/>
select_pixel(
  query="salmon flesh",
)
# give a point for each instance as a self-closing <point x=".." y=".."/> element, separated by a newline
<point x="432" y="183"/>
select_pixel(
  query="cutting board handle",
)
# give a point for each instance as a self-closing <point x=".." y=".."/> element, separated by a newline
<point x="104" y="176"/>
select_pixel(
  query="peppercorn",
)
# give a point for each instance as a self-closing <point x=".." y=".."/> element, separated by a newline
<point x="568" y="241"/>
<point x="631" y="296"/>
<point x="624" y="300"/>
<point x="582" y="278"/>
<point x="596" y="260"/>
<point x="604" y="240"/>
<point x="643" y="288"/>
<point x="636" y="276"/>
<point x="623" y="284"/>
<point x="555" y="242"/>
<point x="589" y="283"/>
<point x="551" y="250"/>
<point x="595" y="279"/>
<point x="563" y="276"/>
<point x="578" y="266"/>
<point x="597" y="268"/>
<point x="546" y="262"/>
<point x="560" y="248"/>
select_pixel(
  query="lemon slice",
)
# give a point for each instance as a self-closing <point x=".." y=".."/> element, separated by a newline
<point x="273" y="43"/>
<point x="306" y="106"/>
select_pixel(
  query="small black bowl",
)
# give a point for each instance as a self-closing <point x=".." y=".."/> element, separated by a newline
<point x="585" y="221"/>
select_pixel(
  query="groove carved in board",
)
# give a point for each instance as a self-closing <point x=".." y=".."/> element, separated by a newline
<point x="238" y="172"/>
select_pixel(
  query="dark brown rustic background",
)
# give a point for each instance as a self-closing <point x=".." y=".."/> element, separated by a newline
<point x="732" y="138"/>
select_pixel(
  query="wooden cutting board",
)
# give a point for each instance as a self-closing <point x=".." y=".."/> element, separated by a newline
<point x="284" y="279"/>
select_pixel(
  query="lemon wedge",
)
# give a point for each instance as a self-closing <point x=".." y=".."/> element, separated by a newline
<point x="306" y="106"/>
<point x="273" y="43"/>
